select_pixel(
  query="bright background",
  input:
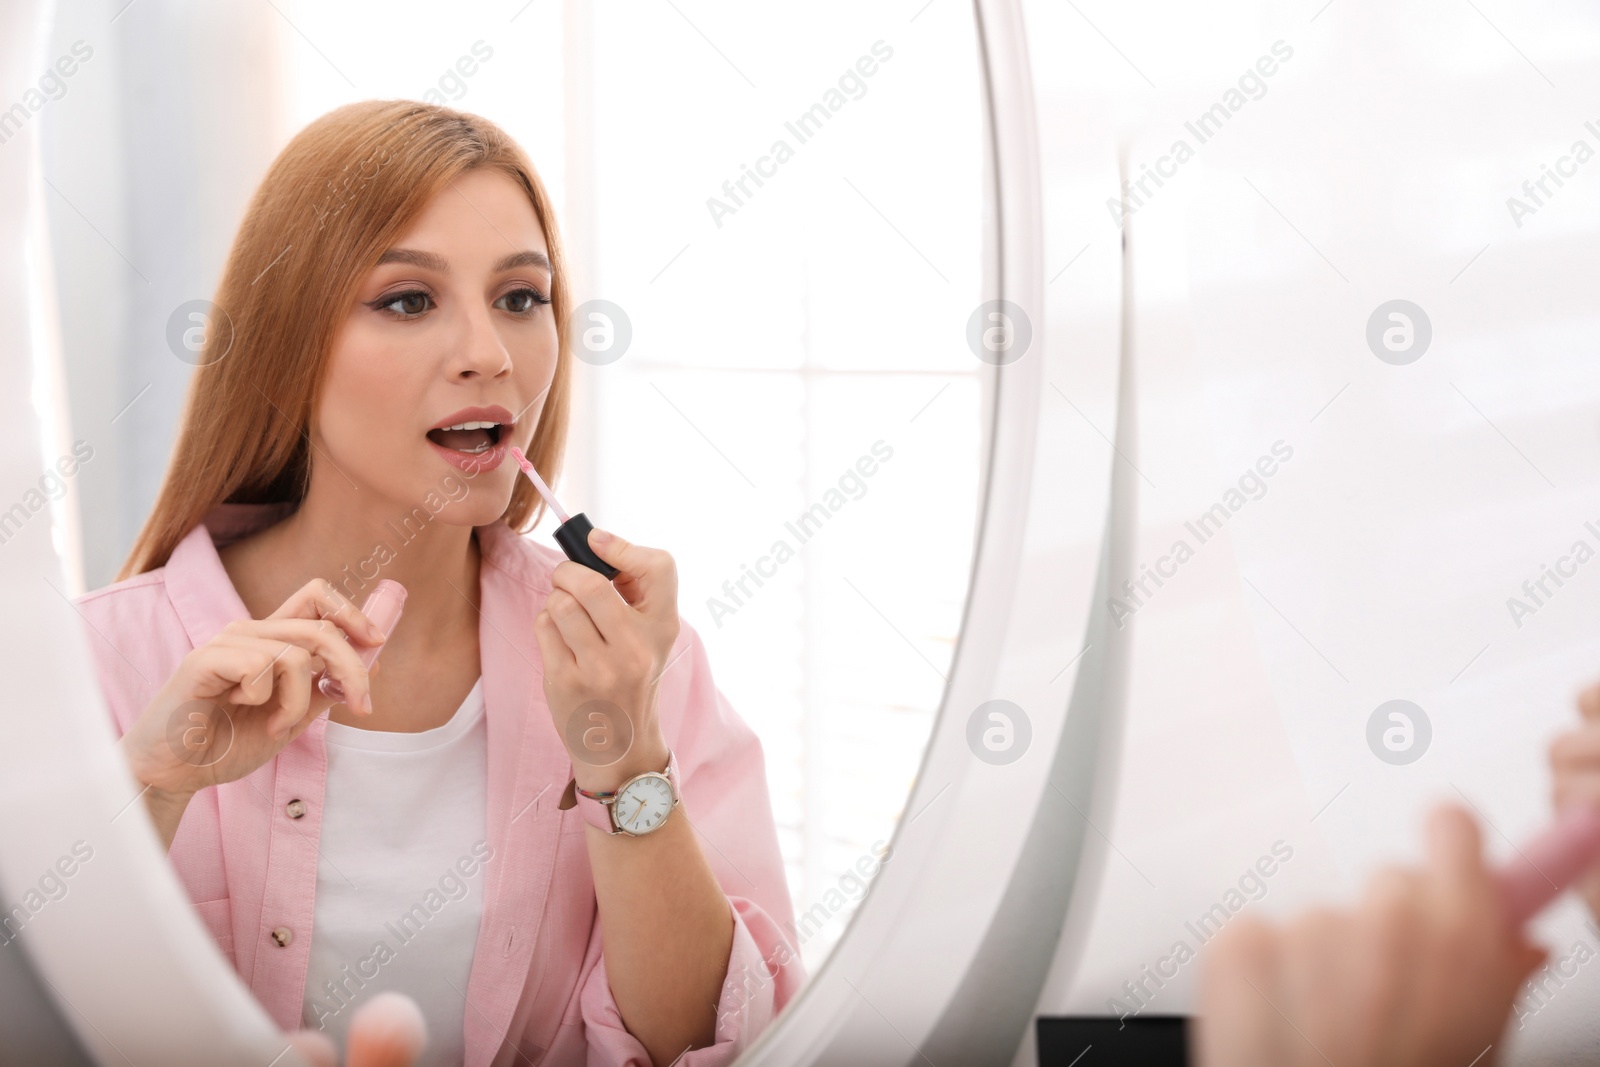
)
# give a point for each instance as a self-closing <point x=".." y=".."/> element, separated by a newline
<point x="1374" y="164"/>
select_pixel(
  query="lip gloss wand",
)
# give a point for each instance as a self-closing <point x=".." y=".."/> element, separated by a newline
<point x="573" y="533"/>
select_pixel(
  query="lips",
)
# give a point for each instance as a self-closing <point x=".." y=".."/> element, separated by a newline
<point x="474" y="438"/>
<point x="472" y="430"/>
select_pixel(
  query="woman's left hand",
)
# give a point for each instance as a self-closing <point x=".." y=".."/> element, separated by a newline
<point x="605" y="646"/>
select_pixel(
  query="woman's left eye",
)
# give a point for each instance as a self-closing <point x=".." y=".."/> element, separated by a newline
<point x="524" y="299"/>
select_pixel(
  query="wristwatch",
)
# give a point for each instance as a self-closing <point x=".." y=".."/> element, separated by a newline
<point x="638" y="807"/>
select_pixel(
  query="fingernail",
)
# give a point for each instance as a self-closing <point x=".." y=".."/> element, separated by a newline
<point x="366" y="703"/>
<point x="599" y="536"/>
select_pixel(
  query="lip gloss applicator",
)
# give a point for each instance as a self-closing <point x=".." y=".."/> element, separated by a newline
<point x="573" y="533"/>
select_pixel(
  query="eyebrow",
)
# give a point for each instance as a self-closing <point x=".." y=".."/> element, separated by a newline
<point x="433" y="261"/>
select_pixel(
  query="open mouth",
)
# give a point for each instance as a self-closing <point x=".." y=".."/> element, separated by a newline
<point x="471" y="438"/>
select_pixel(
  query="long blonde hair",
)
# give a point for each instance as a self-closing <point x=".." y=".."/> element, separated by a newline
<point x="336" y="198"/>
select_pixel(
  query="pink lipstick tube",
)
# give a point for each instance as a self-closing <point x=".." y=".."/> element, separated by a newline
<point x="382" y="606"/>
<point x="1548" y="864"/>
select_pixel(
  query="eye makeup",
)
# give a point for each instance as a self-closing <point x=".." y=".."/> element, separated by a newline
<point x="385" y="304"/>
<point x="573" y="533"/>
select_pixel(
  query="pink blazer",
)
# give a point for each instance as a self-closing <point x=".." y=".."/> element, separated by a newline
<point x="537" y="991"/>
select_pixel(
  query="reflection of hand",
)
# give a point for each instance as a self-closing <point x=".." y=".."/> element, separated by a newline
<point x="605" y="644"/>
<point x="237" y="700"/>
<point x="1575" y="768"/>
<point x="386" y="1031"/>
<point x="1422" y="973"/>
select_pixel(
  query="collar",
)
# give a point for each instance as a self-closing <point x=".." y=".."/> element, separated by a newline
<point x="204" y="595"/>
<point x="198" y="585"/>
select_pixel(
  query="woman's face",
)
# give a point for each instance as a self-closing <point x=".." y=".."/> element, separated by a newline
<point x="452" y="326"/>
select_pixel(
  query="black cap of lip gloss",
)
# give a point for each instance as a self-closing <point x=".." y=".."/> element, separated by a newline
<point x="573" y="537"/>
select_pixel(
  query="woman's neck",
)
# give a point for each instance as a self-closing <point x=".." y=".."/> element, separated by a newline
<point x="356" y="547"/>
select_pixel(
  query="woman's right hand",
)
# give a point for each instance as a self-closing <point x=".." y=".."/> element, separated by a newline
<point x="1423" y="972"/>
<point x="1575" y="773"/>
<point x="386" y="1031"/>
<point x="237" y="700"/>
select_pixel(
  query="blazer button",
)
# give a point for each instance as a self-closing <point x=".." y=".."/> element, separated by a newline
<point x="295" y="809"/>
<point x="282" y="935"/>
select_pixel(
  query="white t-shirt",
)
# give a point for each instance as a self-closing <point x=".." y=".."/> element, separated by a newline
<point x="400" y="874"/>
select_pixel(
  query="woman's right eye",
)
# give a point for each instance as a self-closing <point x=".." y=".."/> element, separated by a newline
<point x="407" y="305"/>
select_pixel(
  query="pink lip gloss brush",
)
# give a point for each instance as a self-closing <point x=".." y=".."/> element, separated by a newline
<point x="383" y="606"/>
<point x="573" y="533"/>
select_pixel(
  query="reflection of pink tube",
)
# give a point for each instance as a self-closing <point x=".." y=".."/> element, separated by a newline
<point x="1545" y="866"/>
<point x="383" y="606"/>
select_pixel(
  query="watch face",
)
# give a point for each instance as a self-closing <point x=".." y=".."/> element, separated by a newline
<point x="643" y="805"/>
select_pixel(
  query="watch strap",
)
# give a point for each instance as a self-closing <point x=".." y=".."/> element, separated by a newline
<point x="596" y="811"/>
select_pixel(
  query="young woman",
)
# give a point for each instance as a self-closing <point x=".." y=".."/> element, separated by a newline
<point x="391" y="319"/>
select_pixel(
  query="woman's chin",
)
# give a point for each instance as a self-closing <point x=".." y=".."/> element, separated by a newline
<point x="476" y="509"/>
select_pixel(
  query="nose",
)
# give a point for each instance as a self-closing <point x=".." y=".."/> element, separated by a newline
<point x="479" y="352"/>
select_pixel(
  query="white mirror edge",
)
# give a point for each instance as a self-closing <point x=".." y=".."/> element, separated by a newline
<point x="944" y="960"/>
<point x="123" y="954"/>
